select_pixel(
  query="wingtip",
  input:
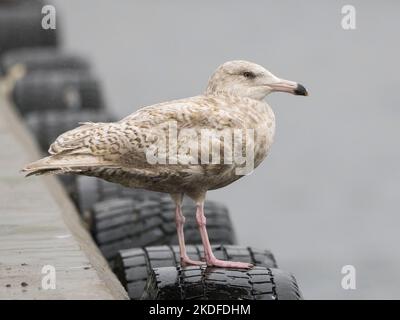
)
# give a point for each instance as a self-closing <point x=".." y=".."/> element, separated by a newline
<point x="30" y="174"/>
<point x="26" y="171"/>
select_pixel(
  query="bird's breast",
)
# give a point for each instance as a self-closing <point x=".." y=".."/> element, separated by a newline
<point x="262" y="120"/>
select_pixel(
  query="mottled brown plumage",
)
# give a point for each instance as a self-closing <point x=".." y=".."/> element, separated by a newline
<point x="117" y="151"/>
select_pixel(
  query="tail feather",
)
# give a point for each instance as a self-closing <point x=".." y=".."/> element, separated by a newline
<point x="49" y="171"/>
<point x="64" y="164"/>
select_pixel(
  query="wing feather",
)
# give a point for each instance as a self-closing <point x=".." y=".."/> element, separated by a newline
<point x="127" y="141"/>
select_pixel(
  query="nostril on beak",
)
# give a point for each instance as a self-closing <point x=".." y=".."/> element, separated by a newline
<point x="300" y="90"/>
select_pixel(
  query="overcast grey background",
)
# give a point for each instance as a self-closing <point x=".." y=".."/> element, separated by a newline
<point x="328" y="195"/>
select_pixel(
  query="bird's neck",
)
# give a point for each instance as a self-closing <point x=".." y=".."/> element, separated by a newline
<point x="229" y="95"/>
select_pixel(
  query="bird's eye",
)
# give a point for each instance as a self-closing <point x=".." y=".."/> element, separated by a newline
<point x="249" y="75"/>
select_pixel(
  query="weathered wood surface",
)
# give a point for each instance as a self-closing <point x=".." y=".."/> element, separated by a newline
<point x="40" y="226"/>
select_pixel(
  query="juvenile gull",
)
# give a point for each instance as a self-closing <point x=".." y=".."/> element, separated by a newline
<point x="118" y="151"/>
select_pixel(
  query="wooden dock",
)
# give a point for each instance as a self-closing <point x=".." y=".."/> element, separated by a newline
<point x="39" y="226"/>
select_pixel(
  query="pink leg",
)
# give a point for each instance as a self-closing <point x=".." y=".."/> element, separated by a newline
<point x="180" y="221"/>
<point x="209" y="255"/>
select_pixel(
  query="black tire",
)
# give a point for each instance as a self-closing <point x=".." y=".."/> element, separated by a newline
<point x="123" y="223"/>
<point x="55" y="90"/>
<point x="133" y="266"/>
<point x="200" y="283"/>
<point x="33" y="59"/>
<point x="20" y="26"/>
<point x="90" y="190"/>
<point x="48" y="125"/>
<point x="68" y="181"/>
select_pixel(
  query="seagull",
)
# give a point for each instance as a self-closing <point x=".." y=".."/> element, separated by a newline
<point x="139" y="151"/>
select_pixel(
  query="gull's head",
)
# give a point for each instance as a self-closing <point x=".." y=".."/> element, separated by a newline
<point x="248" y="79"/>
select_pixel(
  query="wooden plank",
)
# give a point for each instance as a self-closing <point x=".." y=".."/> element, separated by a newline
<point x="39" y="226"/>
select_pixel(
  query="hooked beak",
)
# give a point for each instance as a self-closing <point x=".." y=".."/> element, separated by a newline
<point x="289" y="86"/>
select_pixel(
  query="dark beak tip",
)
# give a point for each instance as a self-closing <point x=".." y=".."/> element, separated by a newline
<point x="300" y="90"/>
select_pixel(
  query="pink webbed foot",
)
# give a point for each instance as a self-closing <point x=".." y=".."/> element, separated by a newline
<point x="186" y="261"/>
<point x="214" y="262"/>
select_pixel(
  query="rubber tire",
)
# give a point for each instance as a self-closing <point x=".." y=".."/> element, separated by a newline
<point x="90" y="190"/>
<point x="123" y="223"/>
<point x="48" y="125"/>
<point x="34" y="59"/>
<point x="133" y="266"/>
<point x="68" y="181"/>
<point x="20" y="26"/>
<point x="56" y="90"/>
<point x="200" y="283"/>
